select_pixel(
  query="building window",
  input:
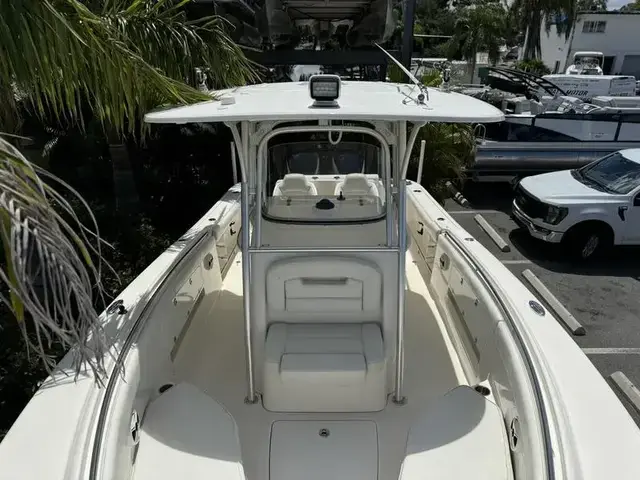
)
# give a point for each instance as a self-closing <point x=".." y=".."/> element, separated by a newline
<point x="594" y="27"/>
<point x="557" y="66"/>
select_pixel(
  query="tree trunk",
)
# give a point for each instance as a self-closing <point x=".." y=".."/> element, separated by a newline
<point x="473" y="65"/>
<point x="532" y="39"/>
<point x="124" y="186"/>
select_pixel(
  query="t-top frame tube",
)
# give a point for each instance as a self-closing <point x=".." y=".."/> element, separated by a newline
<point x="401" y="189"/>
<point x="242" y="140"/>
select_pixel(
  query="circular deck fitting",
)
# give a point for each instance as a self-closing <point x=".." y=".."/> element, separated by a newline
<point x="482" y="390"/>
<point x="536" y="307"/>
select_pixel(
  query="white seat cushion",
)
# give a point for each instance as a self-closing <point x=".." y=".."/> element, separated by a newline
<point x="294" y="184"/>
<point x="187" y="434"/>
<point x="356" y="184"/>
<point x="324" y="368"/>
<point x="315" y="289"/>
<point x="461" y="435"/>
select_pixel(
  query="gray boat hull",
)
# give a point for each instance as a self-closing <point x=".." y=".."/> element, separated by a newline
<point x="495" y="161"/>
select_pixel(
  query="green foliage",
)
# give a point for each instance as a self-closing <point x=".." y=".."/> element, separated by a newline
<point x="84" y="68"/>
<point x="479" y="27"/>
<point x="535" y="66"/>
<point x="395" y="74"/>
<point x="120" y="57"/>
<point x="431" y="17"/>
<point x="631" y="7"/>
<point x="449" y="150"/>
<point x="531" y="15"/>
<point x="429" y="79"/>
<point x="592" y="5"/>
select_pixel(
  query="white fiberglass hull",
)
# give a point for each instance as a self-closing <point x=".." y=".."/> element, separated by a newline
<point x="185" y="379"/>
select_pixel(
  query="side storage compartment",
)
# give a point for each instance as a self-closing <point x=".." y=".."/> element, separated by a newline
<point x="422" y="229"/>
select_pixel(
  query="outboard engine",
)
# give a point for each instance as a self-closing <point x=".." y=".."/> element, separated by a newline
<point x="376" y="26"/>
<point x="274" y="23"/>
<point x="323" y="31"/>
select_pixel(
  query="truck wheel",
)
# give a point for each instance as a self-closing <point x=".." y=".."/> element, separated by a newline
<point x="587" y="242"/>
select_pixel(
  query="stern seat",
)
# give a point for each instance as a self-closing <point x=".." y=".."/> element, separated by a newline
<point x="187" y="434"/>
<point x="461" y="435"/>
<point x="324" y="368"/>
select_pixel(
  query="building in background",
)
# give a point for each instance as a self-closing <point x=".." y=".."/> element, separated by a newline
<point x="615" y="34"/>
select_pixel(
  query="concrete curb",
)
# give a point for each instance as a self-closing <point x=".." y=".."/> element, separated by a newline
<point x="565" y="316"/>
<point x="627" y="388"/>
<point x="495" y="236"/>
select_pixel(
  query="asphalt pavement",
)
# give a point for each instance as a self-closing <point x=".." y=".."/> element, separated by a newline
<point x="603" y="297"/>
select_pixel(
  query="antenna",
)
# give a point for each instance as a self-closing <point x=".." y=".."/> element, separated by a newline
<point x="423" y="90"/>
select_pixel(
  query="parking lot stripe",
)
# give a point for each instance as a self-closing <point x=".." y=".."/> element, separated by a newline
<point x="611" y="351"/>
<point x="517" y="262"/>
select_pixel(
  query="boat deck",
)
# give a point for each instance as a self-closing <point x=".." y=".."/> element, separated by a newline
<point x="212" y="359"/>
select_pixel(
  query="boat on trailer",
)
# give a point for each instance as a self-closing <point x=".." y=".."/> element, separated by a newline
<point x="327" y="318"/>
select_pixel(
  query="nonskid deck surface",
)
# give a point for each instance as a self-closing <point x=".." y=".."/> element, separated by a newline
<point x="212" y="359"/>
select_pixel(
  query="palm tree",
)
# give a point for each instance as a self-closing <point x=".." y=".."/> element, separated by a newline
<point x="479" y="27"/>
<point x="530" y="15"/>
<point x="58" y="58"/>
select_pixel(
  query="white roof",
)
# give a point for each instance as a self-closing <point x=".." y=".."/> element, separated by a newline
<point x="358" y="101"/>
<point x="632" y="154"/>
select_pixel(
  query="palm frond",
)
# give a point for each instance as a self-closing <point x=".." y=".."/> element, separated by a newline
<point x="120" y="57"/>
<point x="9" y="112"/>
<point x="162" y="36"/>
<point x="52" y="264"/>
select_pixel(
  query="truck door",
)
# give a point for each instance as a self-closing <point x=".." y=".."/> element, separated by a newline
<point x="631" y="235"/>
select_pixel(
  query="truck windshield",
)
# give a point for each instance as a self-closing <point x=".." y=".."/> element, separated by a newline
<point x="615" y="173"/>
<point x="588" y="59"/>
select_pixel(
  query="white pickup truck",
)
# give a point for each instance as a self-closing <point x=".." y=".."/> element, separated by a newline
<point x="587" y="210"/>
